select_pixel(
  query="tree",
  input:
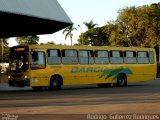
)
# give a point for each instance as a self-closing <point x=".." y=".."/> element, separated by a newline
<point x="139" y="26"/>
<point x="84" y="38"/>
<point x="4" y="56"/>
<point x="68" y="30"/>
<point x="24" y="40"/>
<point x="5" y="41"/>
<point x="89" y="37"/>
<point x="95" y="37"/>
<point x="49" y="42"/>
<point x="90" y="24"/>
<point x="135" y="26"/>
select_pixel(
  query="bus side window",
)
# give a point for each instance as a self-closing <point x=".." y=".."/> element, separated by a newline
<point x="34" y="56"/>
<point x="101" y="57"/>
<point x="38" y="59"/>
<point x="69" y="57"/>
<point x="83" y="56"/>
<point x="54" y="56"/>
<point x="86" y="57"/>
<point x="116" y="57"/>
<point x="143" y="57"/>
<point x="130" y="57"/>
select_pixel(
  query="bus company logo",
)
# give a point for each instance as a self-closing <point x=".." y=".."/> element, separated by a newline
<point x="87" y="69"/>
<point x="106" y="72"/>
<point x="114" y="72"/>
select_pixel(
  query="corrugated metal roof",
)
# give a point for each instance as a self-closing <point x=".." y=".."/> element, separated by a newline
<point x="31" y="17"/>
<point x="47" y="9"/>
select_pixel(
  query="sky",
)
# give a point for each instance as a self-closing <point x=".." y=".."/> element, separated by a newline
<point x="80" y="11"/>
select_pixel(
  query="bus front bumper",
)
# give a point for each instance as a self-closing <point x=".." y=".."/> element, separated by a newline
<point x="19" y="83"/>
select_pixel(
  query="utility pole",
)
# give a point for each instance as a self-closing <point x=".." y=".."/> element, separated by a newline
<point x="2" y="49"/>
<point x="81" y="33"/>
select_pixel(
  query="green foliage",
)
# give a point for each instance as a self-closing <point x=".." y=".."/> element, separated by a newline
<point x="5" y="42"/>
<point x="50" y="42"/>
<point x="94" y="36"/>
<point x="25" y="40"/>
<point x="90" y="24"/>
<point x="5" y="55"/>
<point x="139" y="26"/>
<point x="135" y="26"/>
<point x="4" y="51"/>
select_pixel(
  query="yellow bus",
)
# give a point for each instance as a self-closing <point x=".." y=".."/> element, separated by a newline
<point x="51" y="66"/>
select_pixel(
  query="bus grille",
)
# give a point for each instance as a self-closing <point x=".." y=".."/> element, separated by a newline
<point x="16" y="75"/>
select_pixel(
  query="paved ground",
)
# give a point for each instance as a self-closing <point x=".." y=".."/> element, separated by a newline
<point x="80" y="102"/>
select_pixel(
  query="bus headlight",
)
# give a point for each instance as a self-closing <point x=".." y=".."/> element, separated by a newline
<point x="25" y="76"/>
<point x="9" y="77"/>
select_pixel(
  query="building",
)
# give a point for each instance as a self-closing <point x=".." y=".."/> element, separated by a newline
<point x="31" y="17"/>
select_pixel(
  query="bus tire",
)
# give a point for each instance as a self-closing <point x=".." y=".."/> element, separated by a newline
<point x="55" y="83"/>
<point x="121" y="80"/>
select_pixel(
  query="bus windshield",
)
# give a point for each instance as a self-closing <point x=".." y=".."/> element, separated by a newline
<point x="19" y="62"/>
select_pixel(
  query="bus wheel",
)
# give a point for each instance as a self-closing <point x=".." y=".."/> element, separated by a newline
<point x="37" y="88"/>
<point x="55" y="83"/>
<point x="121" y="80"/>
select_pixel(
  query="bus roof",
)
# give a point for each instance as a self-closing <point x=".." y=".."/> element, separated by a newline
<point x="49" y="46"/>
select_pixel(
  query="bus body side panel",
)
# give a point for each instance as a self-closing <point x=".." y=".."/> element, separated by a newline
<point x="142" y="73"/>
<point x="39" y="78"/>
<point x="94" y="74"/>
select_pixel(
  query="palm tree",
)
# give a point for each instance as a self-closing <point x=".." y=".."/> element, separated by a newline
<point x="90" y="24"/>
<point x="68" y="30"/>
<point x="4" y="41"/>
